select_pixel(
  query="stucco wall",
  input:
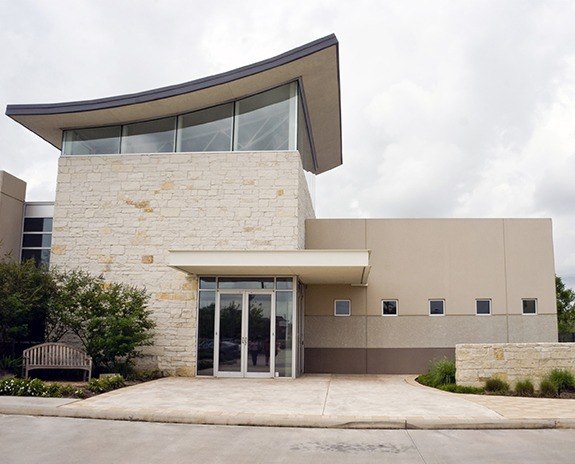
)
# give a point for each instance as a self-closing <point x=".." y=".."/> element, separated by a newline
<point x="12" y="196"/>
<point x="119" y="215"/>
<point x="511" y="361"/>
<point x="414" y="260"/>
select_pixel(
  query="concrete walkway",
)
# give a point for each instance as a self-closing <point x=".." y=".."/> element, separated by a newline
<point x="379" y="401"/>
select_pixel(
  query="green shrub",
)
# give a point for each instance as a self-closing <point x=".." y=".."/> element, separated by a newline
<point x="112" y="320"/>
<point x="23" y="387"/>
<point x="145" y="375"/>
<point x="453" y="388"/>
<point x="11" y="364"/>
<point x="106" y="384"/>
<point x="563" y="379"/>
<point x="548" y="388"/>
<point x="441" y="372"/>
<point x="496" y="385"/>
<point x="524" y="388"/>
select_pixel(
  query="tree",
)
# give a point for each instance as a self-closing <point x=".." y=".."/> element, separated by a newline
<point x="111" y="319"/>
<point x="565" y="307"/>
<point x="25" y="295"/>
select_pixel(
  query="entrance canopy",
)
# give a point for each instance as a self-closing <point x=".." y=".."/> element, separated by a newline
<point x="311" y="266"/>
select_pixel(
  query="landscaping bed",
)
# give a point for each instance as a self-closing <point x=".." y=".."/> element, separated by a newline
<point x="558" y="383"/>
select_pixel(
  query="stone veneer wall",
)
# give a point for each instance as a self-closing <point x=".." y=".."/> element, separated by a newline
<point x="119" y="215"/>
<point x="511" y="361"/>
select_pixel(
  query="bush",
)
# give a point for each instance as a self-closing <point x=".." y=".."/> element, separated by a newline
<point x="441" y="372"/>
<point x="496" y="385"/>
<point x="25" y="294"/>
<point x="145" y="375"/>
<point x="548" y="388"/>
<point x="453" y="388"/>
<point x="111" y="319"/>
<point x="11" y="364"/>
<point x="563" y="380"/>
<point x="524" y="388"/>
<point x="22" y="387"/>
<point x="106" y="384"/>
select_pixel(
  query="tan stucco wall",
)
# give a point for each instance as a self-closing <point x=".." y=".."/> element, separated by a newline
<point x="12" y="197"/>
<point x="511" y="362"/>
<point x="414" y="260"/>
<point x="119" y="215"/>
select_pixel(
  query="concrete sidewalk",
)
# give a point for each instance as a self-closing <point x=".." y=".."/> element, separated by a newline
<point x="376" y="401"/>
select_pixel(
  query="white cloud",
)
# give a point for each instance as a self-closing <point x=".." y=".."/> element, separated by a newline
<point x="448" y="108"/>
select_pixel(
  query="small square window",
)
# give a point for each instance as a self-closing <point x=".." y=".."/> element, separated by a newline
<point x="342" y="307"/>
<point x="389" y="307"/>
<point x="483" y="307"/>
<point x="436" y="307"/>
<point x="529" y="306"/>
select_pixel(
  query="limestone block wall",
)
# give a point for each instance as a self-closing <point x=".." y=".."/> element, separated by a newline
<point x="511" y="361"/>
<point x="119" y="215"/>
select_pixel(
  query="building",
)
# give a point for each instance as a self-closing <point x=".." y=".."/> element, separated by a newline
<point x="203" y="193"/>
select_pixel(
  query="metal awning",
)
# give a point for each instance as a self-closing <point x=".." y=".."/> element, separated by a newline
<point x="311" y="266"/>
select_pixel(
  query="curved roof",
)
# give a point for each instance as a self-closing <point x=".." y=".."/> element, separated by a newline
<point x="315" y="65"/>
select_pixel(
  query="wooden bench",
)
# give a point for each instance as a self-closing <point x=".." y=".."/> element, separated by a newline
<point x="56" y="356"/>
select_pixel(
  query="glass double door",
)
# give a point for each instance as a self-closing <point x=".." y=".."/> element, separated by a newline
<point x="244" y="334"/>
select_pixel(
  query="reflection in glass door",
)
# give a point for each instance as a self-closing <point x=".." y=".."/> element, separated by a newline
<point x="259" y="332"/>
<point x="230" y="333"/>
<point x="244" y="334"/>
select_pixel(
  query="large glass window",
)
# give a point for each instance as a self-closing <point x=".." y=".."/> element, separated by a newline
<point x="267" y="121"/>
<point x="97" y="140"/>
<point x="284" y="333"/>
<point x="206" y="130"/>
<point x="206" y="314"/>
<point x="156" y="136"/>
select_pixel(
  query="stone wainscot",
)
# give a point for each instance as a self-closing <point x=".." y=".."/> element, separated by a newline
<point x="511" y="361"/>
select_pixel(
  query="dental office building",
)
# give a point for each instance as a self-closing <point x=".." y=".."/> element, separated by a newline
<point x="203" y="193"/>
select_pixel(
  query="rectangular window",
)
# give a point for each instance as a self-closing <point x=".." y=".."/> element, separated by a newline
<point x="483" y="307"/>
<point x="436" y="307"/>
<point x="389" y="307"/>
<point x="156" y="136"/>
<point x="206" y="130"/>
<point x="267" y="121"/>
<point x="342" y="307"/>
<point x="206" y="315"/>
<point x="529" y="305"/>
<point x="96" y="140"/>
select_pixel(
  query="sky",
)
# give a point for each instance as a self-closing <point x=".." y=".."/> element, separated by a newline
<point x="449" y="108"/>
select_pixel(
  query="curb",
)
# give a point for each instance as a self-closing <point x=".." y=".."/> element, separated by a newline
<point x="296" y="420"/>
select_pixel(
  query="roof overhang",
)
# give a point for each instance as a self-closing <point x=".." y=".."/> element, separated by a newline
<point x="315" y="65"/>
<point x="311" y="266"/>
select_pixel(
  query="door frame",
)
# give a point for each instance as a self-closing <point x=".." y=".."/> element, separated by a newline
<point x="244" y="354"/>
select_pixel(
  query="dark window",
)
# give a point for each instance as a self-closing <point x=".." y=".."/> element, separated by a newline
<point x="389" y="307"/>
<point x="436" y="307"/>
<point x="342" y="308"/>
<point x="483" y="307"/>
<point x="530" y="306"/>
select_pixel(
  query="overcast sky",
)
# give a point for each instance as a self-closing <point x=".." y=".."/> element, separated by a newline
<point x="449" y="108"/>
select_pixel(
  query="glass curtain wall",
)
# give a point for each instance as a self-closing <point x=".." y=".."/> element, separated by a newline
<point x="270" y="120"/>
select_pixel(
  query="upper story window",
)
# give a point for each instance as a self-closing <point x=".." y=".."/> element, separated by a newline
<point x="93" y="141"/>
<point x="206" y="130"/>
<point x="265" y="121"/>
<point x="156" y="136"/>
